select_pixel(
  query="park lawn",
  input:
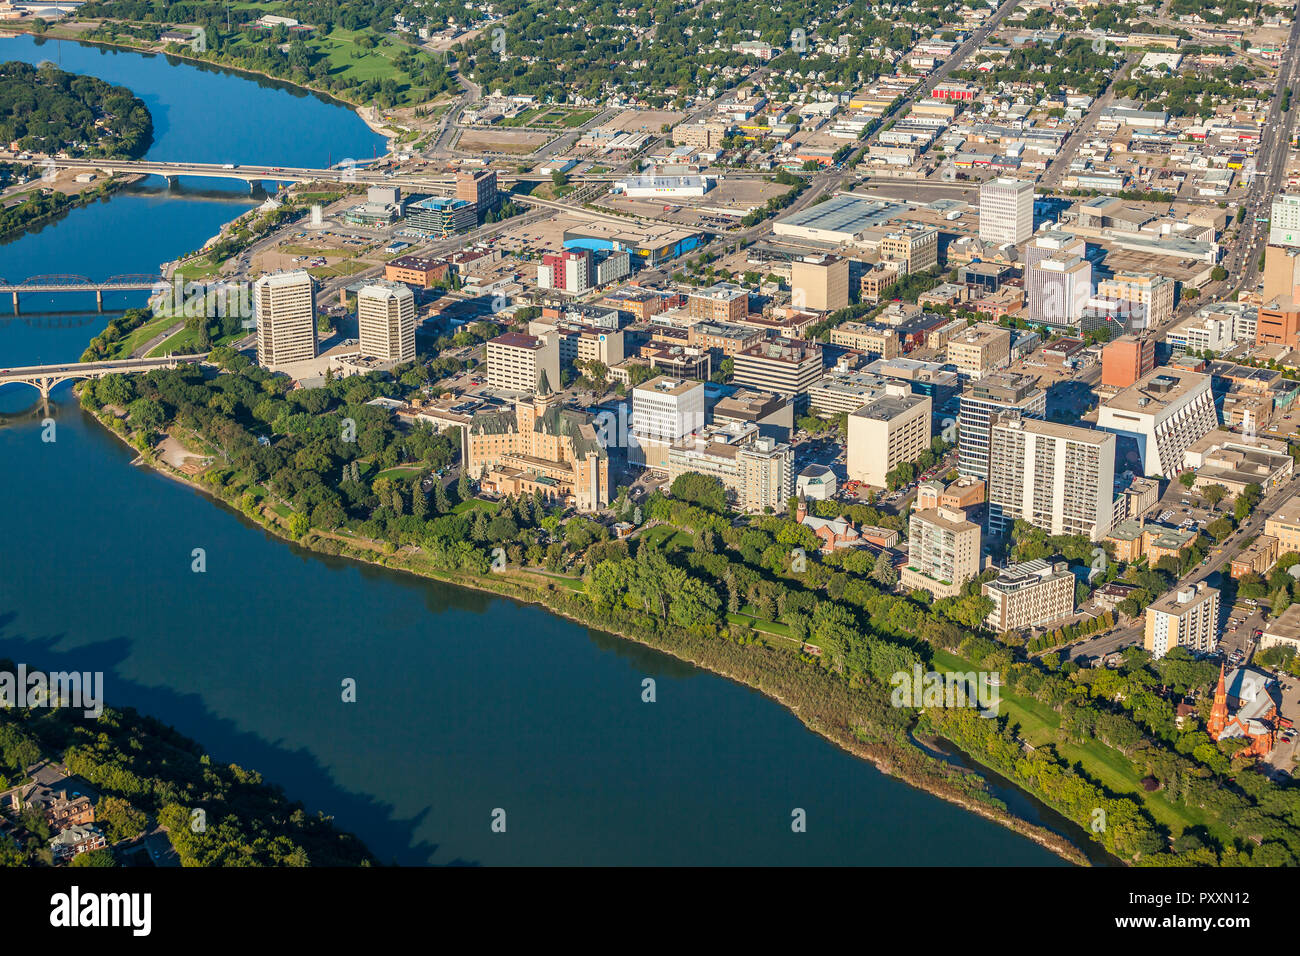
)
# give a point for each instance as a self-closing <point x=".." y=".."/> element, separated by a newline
<point x="667" y="537"/>
<point x="474" y="504"/>
<point x="347" y="58"/>
<point x="137" y="338"/>
<point x="1037" y="724"/>
<point x="564" y="580"/>
<point x="747" y="615"/>
<point x="578" y="117"/>
<point x="1117" y="773"/>
<point x="402" y="471"/>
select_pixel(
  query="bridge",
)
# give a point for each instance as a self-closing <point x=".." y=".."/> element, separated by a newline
<point x="132" y="282"/>
<point x="43" y="378"/>
<point x="340" y="173"/>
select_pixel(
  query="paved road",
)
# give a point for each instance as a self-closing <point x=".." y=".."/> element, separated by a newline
<point x="1253" y="525"/>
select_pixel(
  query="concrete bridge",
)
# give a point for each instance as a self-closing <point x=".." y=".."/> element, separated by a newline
<point x="43" y="378"/>
<point x="134" y="282"/>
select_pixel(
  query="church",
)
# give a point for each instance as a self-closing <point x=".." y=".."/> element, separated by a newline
<point x="1246" y="705"/>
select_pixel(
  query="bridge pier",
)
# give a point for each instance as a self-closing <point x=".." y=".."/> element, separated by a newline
<point x="171" y="181"/>
<point x="99" y="299"/>
<point x="15" y="303"/>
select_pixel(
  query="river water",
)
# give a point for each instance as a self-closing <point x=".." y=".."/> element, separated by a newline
<point x="466" y="704"/>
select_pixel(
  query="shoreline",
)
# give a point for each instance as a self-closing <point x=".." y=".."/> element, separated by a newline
<point x="514" y="590"/>
<point x="359" y="109"/>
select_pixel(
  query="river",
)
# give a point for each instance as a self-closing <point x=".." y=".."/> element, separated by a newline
<point x="466" y="703"/>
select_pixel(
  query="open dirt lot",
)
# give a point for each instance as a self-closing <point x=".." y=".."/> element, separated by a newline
<point x="502" y="140"/>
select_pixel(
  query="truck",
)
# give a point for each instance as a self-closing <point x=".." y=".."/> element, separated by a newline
<point x="229" y="166"/>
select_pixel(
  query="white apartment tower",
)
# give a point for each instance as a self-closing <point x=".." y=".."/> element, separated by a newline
<point x="1056" y="477"/>
<point x="285" y="306"/>
<point x="1007" y="210"/>
<point x="386" y="317"/>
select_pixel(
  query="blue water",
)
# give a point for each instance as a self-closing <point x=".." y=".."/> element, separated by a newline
<point x="466" y="703"/>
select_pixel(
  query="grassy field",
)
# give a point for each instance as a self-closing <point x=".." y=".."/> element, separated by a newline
<point x="667" y="538"/>
<point x="155" y="326"/>
<point x="347" y="267"/>
<point x="402" y="471"/>
<point x="1037" y="723"/>
<point x="474" y="504"/>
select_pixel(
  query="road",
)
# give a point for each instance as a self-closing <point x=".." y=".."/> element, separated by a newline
<point x="1253" y="525"/>
<point x="1077" y="136"/>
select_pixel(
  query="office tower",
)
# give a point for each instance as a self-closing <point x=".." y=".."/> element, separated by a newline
<point x="980" y="349"/>
<point x="1007" y="210"/>
<point x="820" y="283"/>
<point x="1154" y="292"/>
<point x="664" y="410"/>
<point x="1281" y="275"/>
<point x="1056" y="477"/>
<point x="386" y="319"/>
<point x="991" y="395"/>
<point x="886" y="432"/>
<point x="1058" y="289"/>
<point x="1163" y="412"/>
<point x="285" y="307"/>
<point x="788" y="366"/>
<point x="478" y="187"/>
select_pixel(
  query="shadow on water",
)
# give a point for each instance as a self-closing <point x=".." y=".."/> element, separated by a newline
<point x="1021" y="804"/>
<point x="219" y="737"/>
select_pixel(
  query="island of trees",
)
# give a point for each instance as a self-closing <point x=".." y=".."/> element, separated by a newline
<point x="45" y="110"/>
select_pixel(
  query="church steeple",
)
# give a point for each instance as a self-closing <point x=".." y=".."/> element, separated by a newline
<point x="1219" y="712"/>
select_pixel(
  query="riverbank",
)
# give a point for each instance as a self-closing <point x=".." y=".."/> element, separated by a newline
<point x="822" y="702"/>
<point x="363" y="111"/>
<point x="57" y="204"/>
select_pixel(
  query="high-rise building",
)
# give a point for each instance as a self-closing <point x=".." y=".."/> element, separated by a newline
<point x="479" y="187"/>
<point x="1163" y="413"/>
<point x="943" y="552"/>
<point x="1281" y="274"/>
<point x="1126" y="359"/>
<point x="1056" y="477"/>
<point x="386" y="321"/>
<point x="1154" y="292"/>
<point x="1188" y="617"/>
<point x="523" y="363"/>
<point x="886" y="432"/>
<point x="570" y="271"/>
<point x="1059" y="288"/>
<point x="757" y="472"/>
<point x="664" y="410"/>
<point x="1284" y="223"/>
<point x="820" y="282"/>
<point x="439" y="217"/>
<point x="1007" y="210"/>
<point x="1054" y="244"/>
<point x="1029" y="595"/>
<point x="787" y="366"/>
<point x="980" y="402"/>
<point x="285" y="307"/>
